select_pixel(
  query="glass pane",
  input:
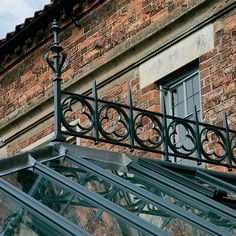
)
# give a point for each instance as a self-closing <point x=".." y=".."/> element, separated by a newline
<point x="165" y="192"/>
<point x="15" y="220"/>
<point x="196" y="84"/>
<point x="73" y="207"/>
<point x="179" y="110"/>
<point x="189" y="88"/>
<point x="180" y="93"/>
<point x="129" y="201"/>
<point x="190" y="106"/>
<point x="178" y="227"/>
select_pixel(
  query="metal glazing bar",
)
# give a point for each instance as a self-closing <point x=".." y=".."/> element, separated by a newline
<point x="188" y="191"/>
<point x="99" y="201"/>
<point x="215" y="181"/>
<point x="171" y="175"/>
<point x="146" y="196"/>
<point x="39" y="210"/>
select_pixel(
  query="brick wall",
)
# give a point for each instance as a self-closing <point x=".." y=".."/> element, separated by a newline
<point x="218" y="72"/>
<point x="27" y="82"/>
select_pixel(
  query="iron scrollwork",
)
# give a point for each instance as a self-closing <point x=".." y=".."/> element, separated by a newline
<point x="150" y="131"/>
<point x="181" y="137"/>
<point x="113" y="123"/>
<point x="155" y="136"/>
<point x="217" y="150"/>
<point x="127" y="126"/>
<point x="80" y="126"/>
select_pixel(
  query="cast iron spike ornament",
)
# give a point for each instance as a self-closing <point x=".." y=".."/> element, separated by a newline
<point x="56" y="65"/>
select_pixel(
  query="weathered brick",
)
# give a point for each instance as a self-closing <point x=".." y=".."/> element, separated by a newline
<point x="100" y="32"/>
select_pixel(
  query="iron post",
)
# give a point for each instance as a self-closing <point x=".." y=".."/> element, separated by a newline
<point x="59" y="58"/>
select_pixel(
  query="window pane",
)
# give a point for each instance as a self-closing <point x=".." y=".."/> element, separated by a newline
<point x="196" y="84"/>
<point x="184" y="89"/>
<point x="190" y="106"/>
<point x="180" y="93"/>
<point x="179" y="110"/>
<point x="189" y="88"/>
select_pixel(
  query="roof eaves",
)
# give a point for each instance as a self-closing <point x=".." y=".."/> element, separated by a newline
<point x="31" y="25"/>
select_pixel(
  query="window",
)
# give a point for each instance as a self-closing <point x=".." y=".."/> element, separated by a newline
<point x="182" y="94"/>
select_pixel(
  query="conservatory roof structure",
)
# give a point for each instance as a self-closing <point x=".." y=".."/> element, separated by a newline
<point x="64" y="189"/>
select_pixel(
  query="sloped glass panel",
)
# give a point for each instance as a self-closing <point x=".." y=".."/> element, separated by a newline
<point x="176" y="198"/>
<point x="71" y="206"/>
<point x="124" y="198"/>
<point x="15" y="220"/>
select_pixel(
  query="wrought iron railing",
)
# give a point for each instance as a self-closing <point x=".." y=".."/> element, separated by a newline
<point x="104" y="121"/>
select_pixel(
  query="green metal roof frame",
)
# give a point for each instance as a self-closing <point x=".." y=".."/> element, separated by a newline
<point x="98" y="163"/>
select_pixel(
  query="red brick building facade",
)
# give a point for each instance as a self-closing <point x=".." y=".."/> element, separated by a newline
<point x="145" y="45"/>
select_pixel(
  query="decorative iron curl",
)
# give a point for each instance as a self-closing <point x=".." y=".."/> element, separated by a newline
<point x="189" y="135"/>
<point x="218" y="136"/>
<point x="51" y="63"/>
<point x="87" y="111"/>
<point x="122" y="119"/>
<point x="156" y="126"/>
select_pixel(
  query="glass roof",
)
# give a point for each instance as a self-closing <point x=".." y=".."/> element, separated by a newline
<point x="64" y="189"/>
